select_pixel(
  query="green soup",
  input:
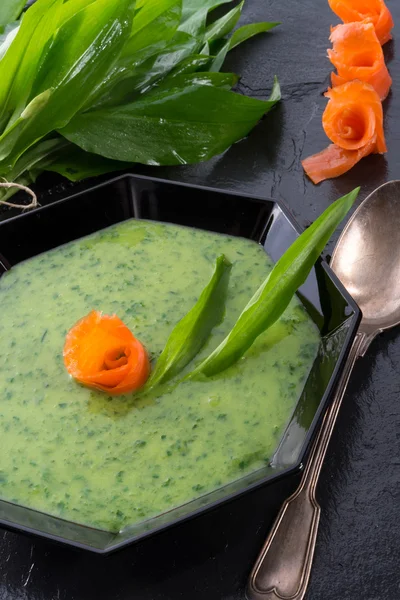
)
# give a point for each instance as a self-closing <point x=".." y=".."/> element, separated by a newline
<point x="110" y="462"/>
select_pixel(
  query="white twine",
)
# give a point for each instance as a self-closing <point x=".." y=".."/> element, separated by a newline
<point x="9" y="185"/>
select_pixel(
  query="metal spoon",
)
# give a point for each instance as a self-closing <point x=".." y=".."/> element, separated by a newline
<point x="367" y="261"/>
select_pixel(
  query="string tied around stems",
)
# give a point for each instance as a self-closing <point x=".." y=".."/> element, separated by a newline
<point x="8" y="185"/>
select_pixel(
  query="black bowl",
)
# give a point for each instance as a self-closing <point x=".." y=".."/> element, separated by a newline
<point x="265" y="221"/>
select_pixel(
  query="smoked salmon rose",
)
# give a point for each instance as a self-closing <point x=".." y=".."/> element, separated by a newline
<point x="357" y="54"/>
<point x="371" y="11"/>
<point x="102" y="353"/>
<point x="353" y="121"/>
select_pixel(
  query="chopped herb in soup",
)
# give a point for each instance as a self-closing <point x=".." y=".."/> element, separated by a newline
<point x="110" y="461"/>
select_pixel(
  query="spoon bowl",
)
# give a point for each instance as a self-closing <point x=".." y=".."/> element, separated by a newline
<point x="367" y="260"/>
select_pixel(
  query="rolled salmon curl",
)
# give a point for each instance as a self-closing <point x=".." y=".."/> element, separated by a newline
<point x="357" y="54"/>
<point x="372" y="11"/>
<point x="100" y="352"/>
<point x="353" y="121"/>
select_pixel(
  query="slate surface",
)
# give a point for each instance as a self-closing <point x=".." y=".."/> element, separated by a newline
<point x="358" y="548"/>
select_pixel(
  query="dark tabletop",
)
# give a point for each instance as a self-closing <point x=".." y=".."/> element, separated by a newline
<point x="358" y="548"/>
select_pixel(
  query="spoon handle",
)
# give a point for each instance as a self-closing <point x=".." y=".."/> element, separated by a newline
<point x="283" y="567"/>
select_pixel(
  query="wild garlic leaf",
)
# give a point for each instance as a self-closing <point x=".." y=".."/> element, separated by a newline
<point x="192" y="6"/>
<point x="128" y="79"/>
<point x="195" y="13"/>
<point x="76" y="164"/>
<point x="71" y="8"/>
<point x="8" y="36"/>
<point x="32" y="163"/>
<point x="274" y="295"/>
<point x="17" y="52"/>
<point x="191" y="64"/>
<point x="21" y="90"/>
<point x="191" y="333"/>
<point x="224" y="81"/>
<point x="38" y="155"/>
<point x="120" y="62"/>
<point x="225" y="24"/>
<point x="10" y="10"/>
<point x="38" y="35"/>
<point x="60" y="156"/>
<point x="177" y="117"/>
<point x="246" y="32"/>
<point x="196" y="23"/>
<point x="154" y="22"/>
<point x="239" y="36"/>
<point x="80" y="55"/>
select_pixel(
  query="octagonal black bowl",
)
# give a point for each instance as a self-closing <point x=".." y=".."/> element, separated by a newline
<point x="265" y="221"/>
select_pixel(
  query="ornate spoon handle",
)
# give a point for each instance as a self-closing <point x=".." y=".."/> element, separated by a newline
<point x="283" y="567"/>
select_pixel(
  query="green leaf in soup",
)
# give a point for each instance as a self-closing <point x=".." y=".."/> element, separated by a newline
<point x="274" y="295"/>
<point x="225" y="24"/>
<point x="80" y="55"/>
<point x="239" y="36"/>
<point x="10" y="10"/>
<point x="181" y="125"/>
<point x="191" y="333"/>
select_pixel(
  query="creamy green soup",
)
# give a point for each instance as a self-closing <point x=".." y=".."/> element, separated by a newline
<point x="110" y="462"/>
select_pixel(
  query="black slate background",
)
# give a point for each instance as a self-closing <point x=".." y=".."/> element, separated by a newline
<point x="358" y="549"/>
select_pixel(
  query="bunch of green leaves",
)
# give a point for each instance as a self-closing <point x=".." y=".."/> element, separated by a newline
<point x="91" y="86"/>
<point x="262" y="311"/>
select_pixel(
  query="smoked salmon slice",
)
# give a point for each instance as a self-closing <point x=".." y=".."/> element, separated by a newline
<point x="371" y="11"/>
<point x="334" y="161"/>
<point x="353" y="121"/>
<point x="357" y="54"/>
